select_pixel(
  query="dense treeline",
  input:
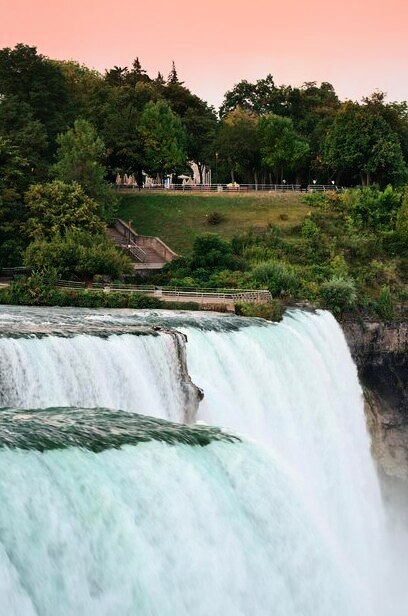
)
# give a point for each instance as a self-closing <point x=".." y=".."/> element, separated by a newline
<point x="263" y="132"/>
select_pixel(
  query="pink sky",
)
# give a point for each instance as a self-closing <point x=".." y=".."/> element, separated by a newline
<point x="357" y="45"/>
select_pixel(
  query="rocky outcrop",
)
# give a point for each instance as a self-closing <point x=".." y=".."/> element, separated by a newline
<point x="192" y="393"/>
<point x="380" y="351"/>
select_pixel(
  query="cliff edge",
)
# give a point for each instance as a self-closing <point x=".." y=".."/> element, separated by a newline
<point x="380" y="351"/>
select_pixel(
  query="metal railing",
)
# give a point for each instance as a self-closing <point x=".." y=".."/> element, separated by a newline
<point x="231" y="188"/>
<point x="140" y="245"/>
<point x="232" y="295"/>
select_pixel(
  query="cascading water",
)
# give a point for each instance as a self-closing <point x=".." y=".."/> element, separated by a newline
<point x="286" y="521"/>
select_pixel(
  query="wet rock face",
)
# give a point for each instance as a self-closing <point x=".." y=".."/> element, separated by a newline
<point x="380" y="351"/>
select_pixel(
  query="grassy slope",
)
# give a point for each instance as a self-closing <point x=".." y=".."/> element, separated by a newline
<point x="177" y="219"/>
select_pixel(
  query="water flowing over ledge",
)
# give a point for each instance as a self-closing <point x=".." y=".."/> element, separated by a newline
<point x="96" y="430"/>
<point x="286" y="520"/>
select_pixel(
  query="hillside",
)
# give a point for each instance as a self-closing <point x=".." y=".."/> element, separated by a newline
<point x="178" y="218"/>
<point x="345" y="251"/>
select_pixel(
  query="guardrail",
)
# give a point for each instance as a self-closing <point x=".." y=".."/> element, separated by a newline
<point x="230" y="188"/>
<point x="232" y="295"/>
<point x="140" y="245"/>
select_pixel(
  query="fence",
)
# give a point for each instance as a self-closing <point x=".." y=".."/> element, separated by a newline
<point x="258" y="296"/>
<point x="230" y="188"/>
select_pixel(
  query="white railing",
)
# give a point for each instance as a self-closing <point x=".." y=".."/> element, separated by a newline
<point x="233" y="295"/>
<point x="229" y="188"/>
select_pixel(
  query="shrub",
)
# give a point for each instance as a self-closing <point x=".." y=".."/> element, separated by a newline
<point x="211" y="251"/>
<point x="272" y="311"/>
<point x="373" y="208"/>
<point x="280" y="278"/>
<point x="310" y="230"/>
<point x="384" y="305"/>
<point x="78" y="254"/>
<point x="215" y="218"/>
<point x="338" y="294"/>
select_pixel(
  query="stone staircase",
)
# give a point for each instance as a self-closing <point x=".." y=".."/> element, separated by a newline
<point x="147" y="252"/>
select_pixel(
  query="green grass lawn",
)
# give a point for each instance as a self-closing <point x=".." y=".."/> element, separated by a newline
<point x="178" y="218"/>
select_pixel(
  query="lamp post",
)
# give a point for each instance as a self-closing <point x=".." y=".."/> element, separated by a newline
<point x="216" y="168"/>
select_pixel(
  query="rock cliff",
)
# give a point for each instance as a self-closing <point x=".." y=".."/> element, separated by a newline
<point x="380" y="351"/>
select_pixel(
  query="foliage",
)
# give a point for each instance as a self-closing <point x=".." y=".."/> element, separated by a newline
<point x="271" y="311"/>
<point x="79" y="159"/>
<point x="37" y="291"/>
<point x="57" y="207"/>
<point x="361" y="141"/>
<point x="371" y="208"/>
<point x="163" y="138"/>
<point x="238" y="143"/>
<point x="281" y="279"/>
<point x="338" y="294"/>
<point x="77" y="254"/>
<point x="282" y="148"/>
<point x="384" y="305"/>
<point x="309" y="229"/>
<point x="215" y="218"/>
<point x="401" y="226"/>
<point x="211" y="251"/>
<point x="36" y="81"/>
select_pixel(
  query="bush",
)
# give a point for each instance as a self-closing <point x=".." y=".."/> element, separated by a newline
<point x="272" y="311"/>
<point x="215" y="218"/>
<point x="78" y="254"/>
<point x="211" y="251"/>
<point x="281" y="279"/>
<point x="384" y="305"/>
<point x="310" y="230"/>
<point x="338" y="294"/>
<point x="373" y="208"/>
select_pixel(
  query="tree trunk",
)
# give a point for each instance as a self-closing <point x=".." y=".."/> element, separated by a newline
<point x="232" y="176"/>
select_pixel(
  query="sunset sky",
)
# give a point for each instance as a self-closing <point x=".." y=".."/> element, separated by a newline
<point x="357" y="45"/>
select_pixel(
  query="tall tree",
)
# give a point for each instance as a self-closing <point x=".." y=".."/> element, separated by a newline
<point x="163" y="138"/>
<point x="238" y="144"/>
<point x="28" y="135"/>
<point x="361" y="142"/>
<point x="137" y="73"/>
<point x="283" y="150"/>
<point x="80" y="159"/>
<point x="173" y="77"/>
<point x="13" y="174"/>
<point x="38" y="82"/>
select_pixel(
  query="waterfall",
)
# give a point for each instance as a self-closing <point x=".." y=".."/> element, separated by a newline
<point x="287" y="520"/>
<point x="129" y="372"/>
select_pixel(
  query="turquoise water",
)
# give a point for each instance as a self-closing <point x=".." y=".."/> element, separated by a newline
<point x="277" y="510"/>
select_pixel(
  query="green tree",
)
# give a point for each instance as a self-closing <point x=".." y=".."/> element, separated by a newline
<point x="163" y="138"/>
<point x="77" y="253"/>
<point x="79" y="159"/>
<point x="282" y="148"/>
<point x="238" y="144"/>
<point x="13" y="172"/>
<point x="362" y="142"/>
<point x="37" y="81"/>
<point x="57" y="207"/>
<point x="28" y="135"/>
<point x="199" y="121"/>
